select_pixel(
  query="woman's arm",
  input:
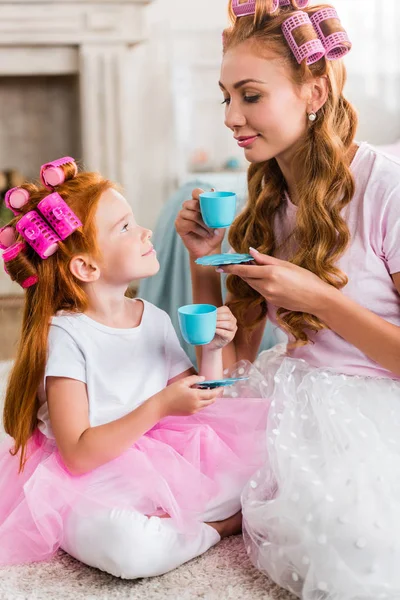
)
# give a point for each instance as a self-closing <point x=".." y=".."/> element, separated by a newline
<point x="246" y="344"/>
<point x="294" y="288"/>
<point x="377" y="338"/>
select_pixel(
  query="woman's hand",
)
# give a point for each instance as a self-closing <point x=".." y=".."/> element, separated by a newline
<point x="282" y="284"/>
<point x="199" y="239"/>
<point x="226" y="329"/>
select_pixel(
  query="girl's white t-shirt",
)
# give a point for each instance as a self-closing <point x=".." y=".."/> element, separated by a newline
<point x="120" y="367"/>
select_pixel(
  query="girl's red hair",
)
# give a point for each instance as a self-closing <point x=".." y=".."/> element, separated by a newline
<point x="57" y="289"/>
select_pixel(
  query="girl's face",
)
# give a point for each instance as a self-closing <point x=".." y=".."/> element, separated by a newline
<point x="126" y="248"/>
<point x="266" y="112"/>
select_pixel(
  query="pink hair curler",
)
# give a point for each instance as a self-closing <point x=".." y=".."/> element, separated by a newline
<point x="248" y="7"/>
<point x="312" y="50"/>
<point x="7" y="237"/>
<point x="243" y="8"/>
<point x="30" y="281"/>
<point x="52" y="174"/>
<point x="281" y="3"/>
<point x="334" y="43"/>
<point x="38" y="234"/>
<point x="16" y="198"/>
<point x="12" y="253"/>
<point x="57" y="212"/>
<point x="299" y="3"/>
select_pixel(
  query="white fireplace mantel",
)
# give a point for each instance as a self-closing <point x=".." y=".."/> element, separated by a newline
<point x="94" y="39"/>
<point x="97" y="40"/>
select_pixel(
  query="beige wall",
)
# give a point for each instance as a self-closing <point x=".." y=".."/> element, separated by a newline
<point x="373" y="83"/>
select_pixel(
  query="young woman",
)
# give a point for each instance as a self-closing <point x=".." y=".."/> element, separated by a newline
<point x="322" y="221"/>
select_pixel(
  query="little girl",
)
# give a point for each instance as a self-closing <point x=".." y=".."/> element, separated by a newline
<point x="114" y="456"/>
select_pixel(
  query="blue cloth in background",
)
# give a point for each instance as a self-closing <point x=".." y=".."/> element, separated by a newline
<point x="171" y="287"/>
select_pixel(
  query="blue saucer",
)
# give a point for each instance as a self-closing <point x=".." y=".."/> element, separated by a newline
<point x="214" y="383"/>
<point x="216" y="260"/>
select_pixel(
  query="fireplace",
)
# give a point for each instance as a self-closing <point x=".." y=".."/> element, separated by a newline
<point x="70" y="68"/>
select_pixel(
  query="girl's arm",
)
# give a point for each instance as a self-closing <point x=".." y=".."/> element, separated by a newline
<point x="377" y="338"/>
<point x="206" y="289"/>
<point x="84" y="448"/>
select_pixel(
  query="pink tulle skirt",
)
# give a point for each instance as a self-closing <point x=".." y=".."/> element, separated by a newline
<point x="177" y="468"/>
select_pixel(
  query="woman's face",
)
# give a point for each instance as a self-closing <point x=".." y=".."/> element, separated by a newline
<point x="266" y="112"/>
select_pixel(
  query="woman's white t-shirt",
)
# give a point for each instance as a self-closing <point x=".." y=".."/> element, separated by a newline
<point x="120" y="367"/>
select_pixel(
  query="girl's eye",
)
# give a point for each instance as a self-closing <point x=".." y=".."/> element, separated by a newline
<point x="125" y="227"/>
<point x="226" y="101"/>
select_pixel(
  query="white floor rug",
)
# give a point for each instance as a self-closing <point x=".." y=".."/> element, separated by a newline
<point x="223" y="573"/>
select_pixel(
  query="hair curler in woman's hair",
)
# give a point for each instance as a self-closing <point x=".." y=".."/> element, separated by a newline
<point x="299" y="4"/>
<point x="331" y="33"/>
<point x="310" y="49"/>
<point x="243" y="8"/>
<point x="52" y="174"/>
<point x="16" y="198"/>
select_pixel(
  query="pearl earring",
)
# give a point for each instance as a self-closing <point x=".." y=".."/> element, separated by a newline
<point x="312" y="116"/>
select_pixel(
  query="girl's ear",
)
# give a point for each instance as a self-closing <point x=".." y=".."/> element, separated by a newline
<point x="84" y="268"/>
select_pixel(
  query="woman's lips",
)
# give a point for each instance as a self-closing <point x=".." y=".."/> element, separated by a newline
<point x="243" y="142"/>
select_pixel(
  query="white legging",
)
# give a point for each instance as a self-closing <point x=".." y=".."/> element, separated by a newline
<point x="130" y="545"/>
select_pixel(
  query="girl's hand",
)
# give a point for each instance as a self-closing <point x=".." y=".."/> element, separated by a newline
<point x="282" y="283"/>
<point x="180" y="399"/>
<point x="226" y="329"/>
<point x="199" y="239"/>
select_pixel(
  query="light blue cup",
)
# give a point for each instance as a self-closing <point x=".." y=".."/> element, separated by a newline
<point x="198" y="323"/>
<point x="218" y="209"/>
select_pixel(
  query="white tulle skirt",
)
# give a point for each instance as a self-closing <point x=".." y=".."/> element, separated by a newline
<point x="322" y="517"/>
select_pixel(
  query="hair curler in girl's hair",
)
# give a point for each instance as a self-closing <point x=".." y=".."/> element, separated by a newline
<point x="10" y="254"/>
<point x="57" y="212"/>
<point x="16" y="198"/>
<point x="7" y="237"/>
<point x="38" y="234"/>
<point x="52" y="174"/>
<point x="42" y="235"/>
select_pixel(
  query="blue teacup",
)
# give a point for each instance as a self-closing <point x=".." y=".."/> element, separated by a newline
<point x="198" y="323"/>
<point x="218" y="209"/>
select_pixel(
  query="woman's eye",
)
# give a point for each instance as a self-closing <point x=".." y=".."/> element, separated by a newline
<point x="226" y="101"/>
<point x="254" y="98"/>
<point x="125" y="227"/>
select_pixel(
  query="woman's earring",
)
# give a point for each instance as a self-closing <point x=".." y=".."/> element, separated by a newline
<point x="312" y="116"/>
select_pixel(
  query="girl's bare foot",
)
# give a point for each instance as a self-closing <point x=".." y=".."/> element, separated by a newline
<point x="230" y="526"/>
